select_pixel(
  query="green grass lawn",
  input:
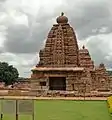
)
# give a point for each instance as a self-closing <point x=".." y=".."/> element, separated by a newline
<point x="67" y="110"/>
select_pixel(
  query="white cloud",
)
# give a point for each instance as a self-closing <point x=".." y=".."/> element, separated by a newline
<point x="49" y="6"/>
<point x="103" y="29"/>
<point x="24" y="62"/>
<point x="2" y="38"/>
<point x="100" y="47"/>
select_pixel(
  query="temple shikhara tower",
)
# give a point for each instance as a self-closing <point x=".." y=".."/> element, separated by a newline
<point x="63" y="66"/>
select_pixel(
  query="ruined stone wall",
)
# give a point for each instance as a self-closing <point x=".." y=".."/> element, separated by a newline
<point x="102" y="79"/>
<point x="111" y="83"/>
<point x="36" y="84"/>
<point x="94" y="81"/>
<point x="79" y="81"/>
<point x="73" y="80"/>
<point x="85" y="59"/>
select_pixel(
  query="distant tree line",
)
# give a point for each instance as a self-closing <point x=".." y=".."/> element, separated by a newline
<point x="109" y="72"/>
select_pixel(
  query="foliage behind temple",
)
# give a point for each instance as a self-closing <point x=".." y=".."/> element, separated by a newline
<point x="8" y="73"/>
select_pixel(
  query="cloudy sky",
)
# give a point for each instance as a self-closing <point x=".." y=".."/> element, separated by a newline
<point x="24" y="25"/>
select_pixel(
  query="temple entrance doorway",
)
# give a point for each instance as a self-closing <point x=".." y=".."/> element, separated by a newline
<point x="57" y="83"/>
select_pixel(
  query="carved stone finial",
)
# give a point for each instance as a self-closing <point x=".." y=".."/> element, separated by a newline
<point x="102" y="65"/>
<point x="62" y="19"/>
<point x="83" y="47"/>
<point x="62" y="13"/>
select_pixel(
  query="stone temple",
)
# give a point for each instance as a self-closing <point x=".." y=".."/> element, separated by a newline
<point x="63" y="66"/>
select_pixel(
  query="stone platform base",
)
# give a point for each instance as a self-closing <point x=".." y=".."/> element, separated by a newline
<point x="53" y="98"/>
<point x="54" y="94"/>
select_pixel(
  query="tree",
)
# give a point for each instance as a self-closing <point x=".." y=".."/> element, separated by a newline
<point x="8" y="73"/>
<point x="109" y="73"/>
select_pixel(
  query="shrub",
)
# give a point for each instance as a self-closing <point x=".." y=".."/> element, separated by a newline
<point x="110" y="110"/>
<point x="109" y="101"/>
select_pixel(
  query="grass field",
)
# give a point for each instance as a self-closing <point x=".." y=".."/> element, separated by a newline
<point x="67" y="110"/>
